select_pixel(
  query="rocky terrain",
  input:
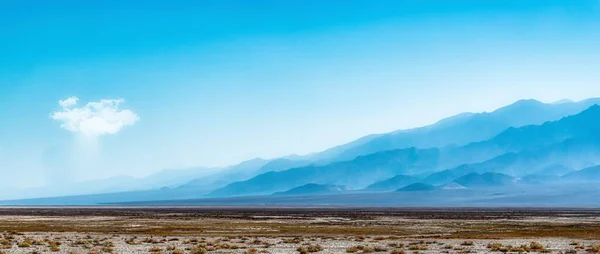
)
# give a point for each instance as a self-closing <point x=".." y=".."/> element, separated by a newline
<point x="298" y="230"/>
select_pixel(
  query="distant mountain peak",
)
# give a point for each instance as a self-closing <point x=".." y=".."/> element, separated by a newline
<point x="417" y="187"/>
<point x="563" y="101"/>
<point x="528" y="102"/>
<point x="520" y="105"/>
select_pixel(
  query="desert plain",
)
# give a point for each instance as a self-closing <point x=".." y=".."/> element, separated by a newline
<point x="298" y="230"/>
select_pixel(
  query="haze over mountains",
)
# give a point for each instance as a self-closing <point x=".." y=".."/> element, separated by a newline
<point x="524" y="146"/>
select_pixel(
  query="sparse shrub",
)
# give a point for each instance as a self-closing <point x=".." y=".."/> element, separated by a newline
<point x="396" y="245"/>
<point x="24" y="244"/>
<point x="593" y="249"/>
<point x="81" y="242"/>
<point x="39" y="242"/>
<point x="198" y="250"/>
<point x="352" y="249"/>
<point x="379" y="249"/>
<point x="520" y="249"/>
<point x="368" y="249"/>
<point x="224" y="246"/>
<point x="467" y="243"/>
<point x="398" y="251"/>
<point x="315" y="248"/>
<point x="310" y="248"/>
<point x="418" y="247"/>
<point x="54" y="246"/>
<point x="536" y="246"/>
<point x="251" y="251"/>
<point x="494" y="246"/>
<point x="4" y="241"/>
<point x="131" y="241"/>
<point x="294" y="240"/>
<point x="302" y="250"/>
<point x="156" y="250"/>
<point x="107" y="249"/>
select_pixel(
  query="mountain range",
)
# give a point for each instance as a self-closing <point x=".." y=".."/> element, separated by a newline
<point x="527" y="143"/>
<point x="461" y="129"/>
<point x="516" y="151"/>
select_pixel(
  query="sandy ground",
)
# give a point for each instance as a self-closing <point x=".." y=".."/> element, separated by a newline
<point x="225" y="230"/>
<point x="103" y="243"/>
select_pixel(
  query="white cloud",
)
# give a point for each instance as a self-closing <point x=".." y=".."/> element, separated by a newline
<point x="95" y="118"/>
<point x="69" y="102"/>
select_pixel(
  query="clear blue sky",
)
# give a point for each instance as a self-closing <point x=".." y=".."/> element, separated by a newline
<point x="218" y="82"/>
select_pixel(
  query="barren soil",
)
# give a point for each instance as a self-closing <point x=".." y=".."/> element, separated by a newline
<point x="295" y="230"/>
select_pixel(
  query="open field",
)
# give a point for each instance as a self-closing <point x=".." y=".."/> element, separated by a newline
<point x="293" y="230"/>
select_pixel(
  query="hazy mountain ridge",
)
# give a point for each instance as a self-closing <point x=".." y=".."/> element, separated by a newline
<point x="393" y="183"/>
<point x="512" y="151"/>
<point x="525" y="153"/>
<point x="361" y="171"/>
<point x="591" y="174"/>
<point x="467" y="127"/>
<point x="564" y="142"/>
<point x="240" y="172"/>
<point x="484" y="180"/>
<point x="417" y="187"/>
<point x="312" y="189"/>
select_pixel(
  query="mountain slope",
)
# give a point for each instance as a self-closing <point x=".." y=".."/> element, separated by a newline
<point x="356" y="173"/>
<point x="591" y="174"/>
<point x="521" y="151"/>
<point x="462" y="129"/>
<point x="485" y="180"/>
<point x="572" y="141"/>
<point x="572" y="153"/>
<point x="554" y="170"/>
<point x="393" y="183"/>
<point x="240" y="172"/>
<point x="417" y="187"/>
<point x="312" y="189"/>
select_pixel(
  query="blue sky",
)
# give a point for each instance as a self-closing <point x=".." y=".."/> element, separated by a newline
<point x="218" y="82"/>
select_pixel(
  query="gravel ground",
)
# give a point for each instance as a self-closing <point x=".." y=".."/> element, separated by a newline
<point x="177" y="230"/>
<point x="102" y="243"/>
